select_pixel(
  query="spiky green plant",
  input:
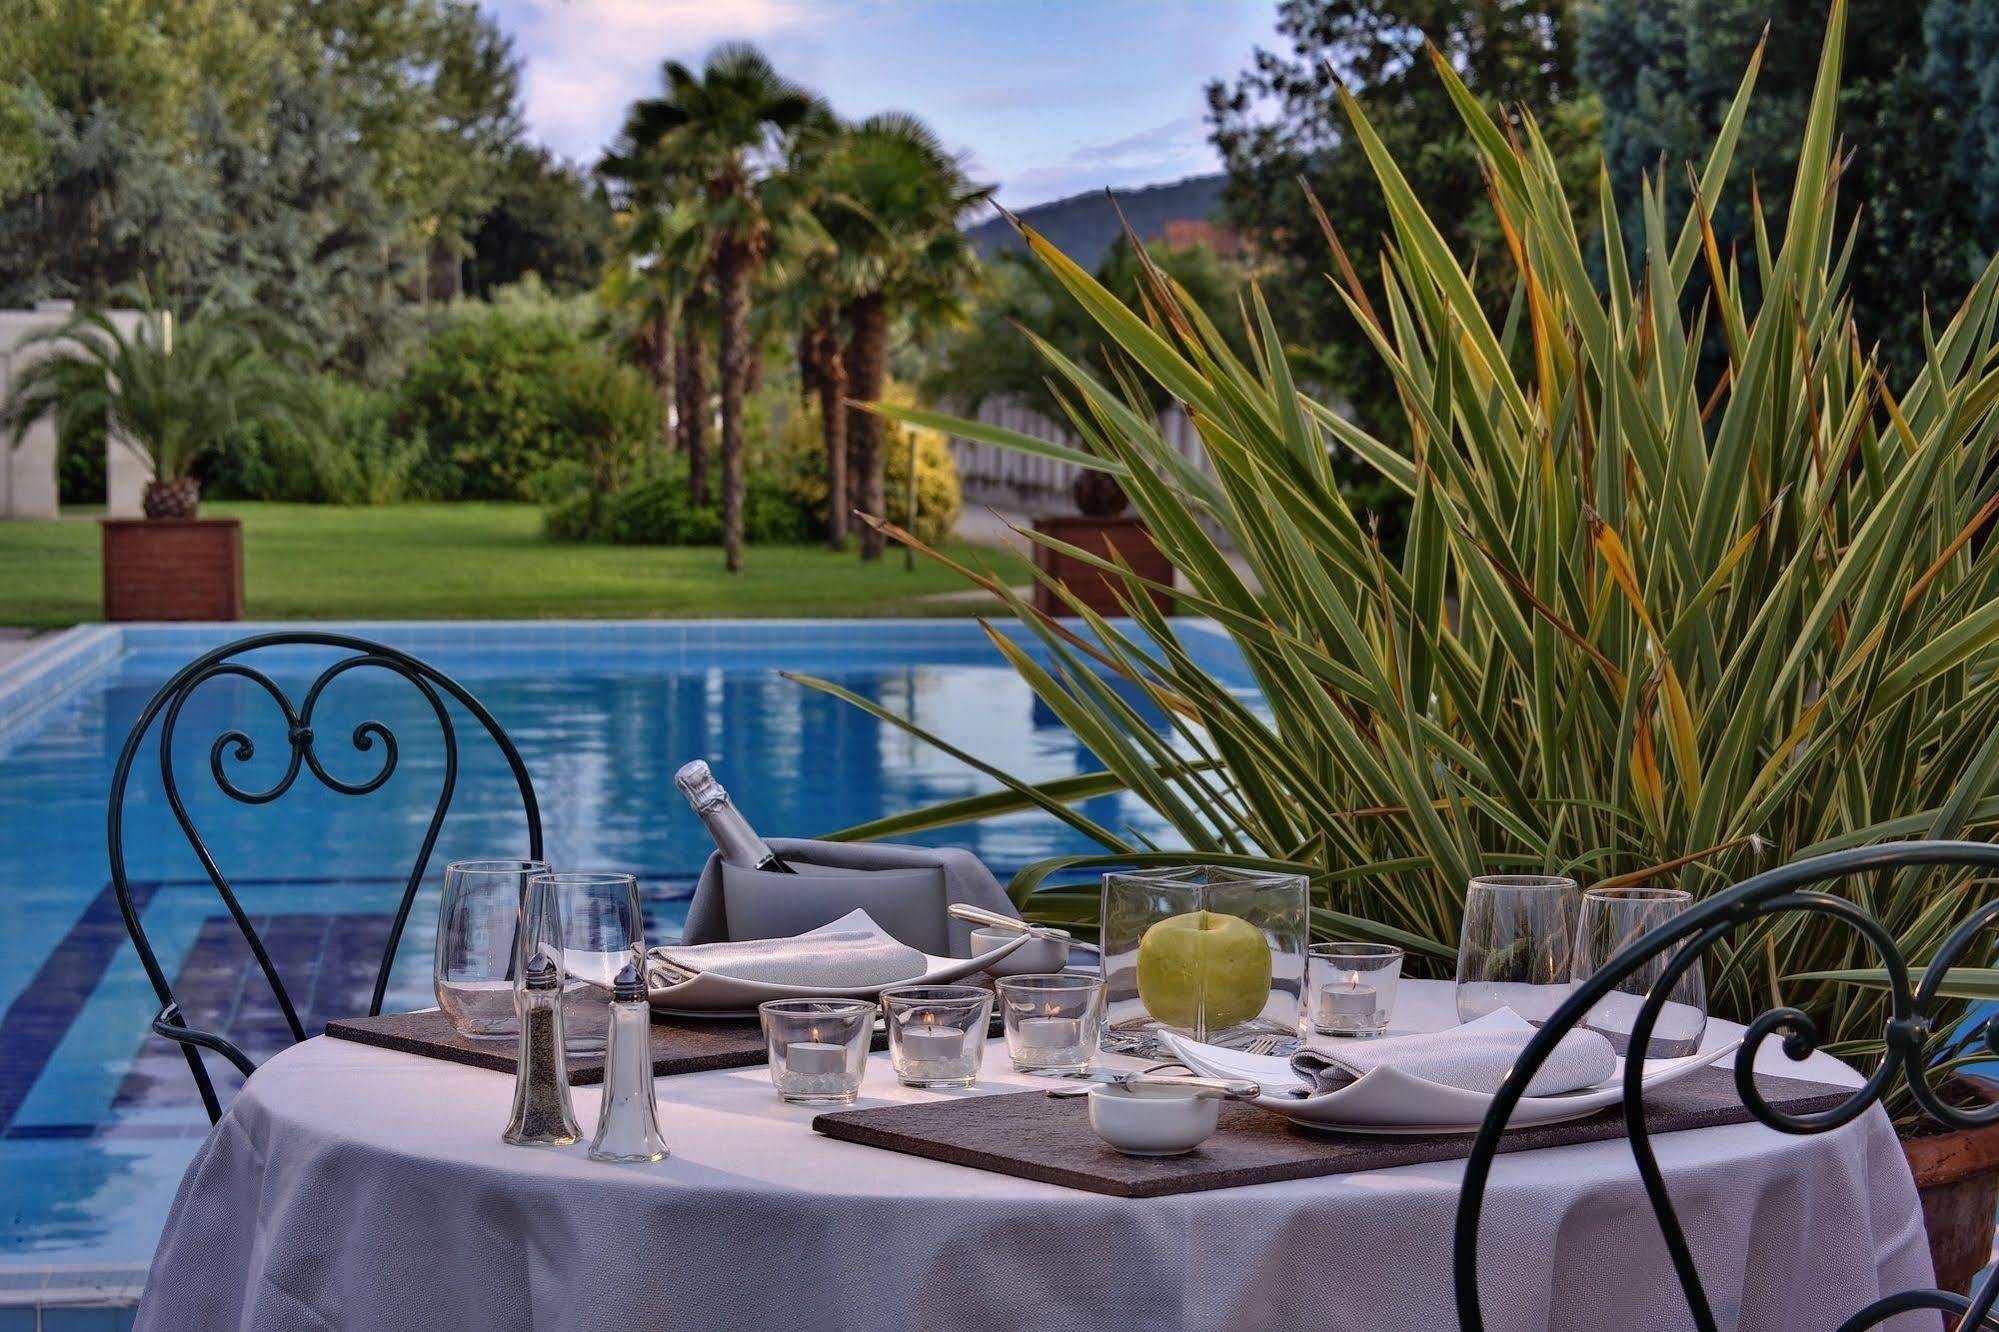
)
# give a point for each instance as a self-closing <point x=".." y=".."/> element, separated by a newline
<point x="1657" y="617"/>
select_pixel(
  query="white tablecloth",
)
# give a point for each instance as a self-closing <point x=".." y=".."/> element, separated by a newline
<point x="350" y="1187"/>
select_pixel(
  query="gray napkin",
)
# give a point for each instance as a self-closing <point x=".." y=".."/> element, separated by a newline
<point x="965" y="880"/>
<point x="849" y="953"/>
<point x="1475" y="1057"/>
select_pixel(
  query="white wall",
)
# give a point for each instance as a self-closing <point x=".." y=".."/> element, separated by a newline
<point x="28" y="480"/>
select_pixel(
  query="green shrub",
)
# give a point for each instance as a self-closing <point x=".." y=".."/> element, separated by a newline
<point x="658" y="512"/>
<point x="502" y="392"/>
<point x="801" y="463"/>
<point x="358" y="458"/>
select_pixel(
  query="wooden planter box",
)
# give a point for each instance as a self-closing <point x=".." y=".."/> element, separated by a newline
<point x="1100" y="536"/>
<point x="173" y="569"/>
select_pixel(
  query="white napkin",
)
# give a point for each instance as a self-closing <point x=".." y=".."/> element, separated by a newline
<point x="848" y="953"/>
<point x="1474" y="1057"/>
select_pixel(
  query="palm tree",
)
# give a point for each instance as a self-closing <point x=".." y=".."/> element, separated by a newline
<point x="903" y="197"/>
<point x="712" y="140"/>
<point x="659" y="262"/>
<point x="171" y="389"/>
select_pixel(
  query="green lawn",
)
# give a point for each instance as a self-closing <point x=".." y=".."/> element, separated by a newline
<point x="484" y="561"/>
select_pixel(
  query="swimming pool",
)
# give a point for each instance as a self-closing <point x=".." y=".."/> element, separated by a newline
<point x="97" y="1119"/>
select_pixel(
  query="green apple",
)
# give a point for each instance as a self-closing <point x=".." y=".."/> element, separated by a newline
<point x="1203" y="962"/>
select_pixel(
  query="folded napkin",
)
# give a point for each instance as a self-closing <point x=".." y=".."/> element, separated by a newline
<point x="848" y="953"/>
<point x="1475" y="1057"/>
<point x="965" y="880"/>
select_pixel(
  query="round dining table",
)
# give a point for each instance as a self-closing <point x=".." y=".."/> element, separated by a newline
<point x="353" y="1187"/>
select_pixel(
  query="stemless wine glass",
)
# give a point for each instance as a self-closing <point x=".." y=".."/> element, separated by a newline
<point x="603" y="930"/>
<point x="1611" y="920"/>
<point x="1517" y="945"/>
<point x="478" y="923"/>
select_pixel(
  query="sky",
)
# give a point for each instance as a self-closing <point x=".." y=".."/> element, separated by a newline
<point x="1045" y="98"/>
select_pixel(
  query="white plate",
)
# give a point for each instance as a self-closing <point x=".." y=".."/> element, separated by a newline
<point x="712" y="996"/>
<point x="1387" y="1100"/>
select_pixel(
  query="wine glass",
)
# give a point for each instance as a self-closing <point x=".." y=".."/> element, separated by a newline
<point x="478" y="924"/>
<point x="1517" y="946"/>
<point x="1611" y="920"/>
<point x="603" y="931"/>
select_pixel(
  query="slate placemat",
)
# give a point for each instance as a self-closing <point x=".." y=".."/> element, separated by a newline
<point x="687" y="1046"/>
<point x="1035" y="1136"/>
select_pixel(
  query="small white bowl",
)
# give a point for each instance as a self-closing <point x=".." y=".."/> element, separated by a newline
<point x="1152" y="1121"/>
<point x="1036" y="957"/>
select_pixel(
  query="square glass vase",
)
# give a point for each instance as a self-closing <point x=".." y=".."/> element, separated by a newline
<point x="1214" y="954"/>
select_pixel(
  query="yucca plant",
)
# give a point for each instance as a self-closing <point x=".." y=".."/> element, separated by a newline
<point x="1657" y="617"/>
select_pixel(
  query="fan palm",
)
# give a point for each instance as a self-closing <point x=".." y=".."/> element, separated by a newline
<point x="659" y="258"/>
<point x="711" y="141"/>
<point x="172" y="390"/>
<point x="901" y="255"/>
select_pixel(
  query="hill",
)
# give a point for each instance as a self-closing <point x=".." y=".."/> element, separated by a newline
<point x="1083" y="226"/>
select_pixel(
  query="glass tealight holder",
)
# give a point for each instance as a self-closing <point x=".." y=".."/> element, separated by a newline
<point x="1352" y="987"/>
<point x="818" y="1047"/>
<point x="937" y="1033"/>
<point x="1053" y="1023"/>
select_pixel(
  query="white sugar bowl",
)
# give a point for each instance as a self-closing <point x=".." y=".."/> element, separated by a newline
<point x="1153" y="1120"/>
<point x="1036" y="957"/>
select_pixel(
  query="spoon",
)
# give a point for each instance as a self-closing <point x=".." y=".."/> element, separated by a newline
<point x="1227" y="1089"/>
<point x="978" y="915"/>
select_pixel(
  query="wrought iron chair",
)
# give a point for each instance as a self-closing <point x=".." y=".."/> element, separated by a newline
<point x="166" y="706"/>
<point x="1682" y="941"/>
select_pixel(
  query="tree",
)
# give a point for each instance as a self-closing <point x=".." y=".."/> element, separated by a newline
<point x="714" y="138"/>
<point x="1918" y="77"/>
<point x="1280" y="122"/>
<point x="299" y="223"/>
<point x="548" y="218"/>
<point x="908" y="259"/>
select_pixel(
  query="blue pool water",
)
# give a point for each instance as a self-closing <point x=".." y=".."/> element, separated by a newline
<point x="97" y="1119"/>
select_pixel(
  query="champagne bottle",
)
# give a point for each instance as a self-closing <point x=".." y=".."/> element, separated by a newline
<point x="734" y="838"/>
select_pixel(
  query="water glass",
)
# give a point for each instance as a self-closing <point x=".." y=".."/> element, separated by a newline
<point x="818" y="1047"/>
<point x="1518" y="945"/>
<point x="937" y="1033"/>
<point x="478" y="928"/>
<point x="1053" y="1023"/>
<point x="1353" y="987"/>
<point x="1611" y="920"/>
<point x="603" y="931"/>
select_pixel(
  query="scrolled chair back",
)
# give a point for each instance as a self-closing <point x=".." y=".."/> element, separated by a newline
<point x="235" y="745"/>
<point x="1682" y="942"/>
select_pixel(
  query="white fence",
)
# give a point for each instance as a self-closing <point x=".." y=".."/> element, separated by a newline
<point x="1007" y="480"/>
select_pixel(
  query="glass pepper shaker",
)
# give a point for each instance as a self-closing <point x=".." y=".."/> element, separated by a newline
<point x="628" y="1124"/>
<point x="543" y="1116"/>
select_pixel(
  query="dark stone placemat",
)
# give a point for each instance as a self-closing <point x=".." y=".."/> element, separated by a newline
<point x="1035" y="1136"/>
<point x="692" y="1045"/>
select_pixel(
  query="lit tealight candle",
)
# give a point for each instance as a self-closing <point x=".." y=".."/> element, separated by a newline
<point x="1050" y="1033"/>
<point x="815" y="1057"/>
<point x="1347" y="1006"/>
<point x="925" y="1040"/>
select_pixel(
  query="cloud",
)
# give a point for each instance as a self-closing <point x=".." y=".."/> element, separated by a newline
<point x="586" y="60"/>
<point x="1177" y="148"/>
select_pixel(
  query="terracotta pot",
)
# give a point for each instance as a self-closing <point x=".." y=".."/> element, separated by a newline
<point x="173" y="568"/>
<point x="1125" y="536"/>
<point x="1957" y="1177"/>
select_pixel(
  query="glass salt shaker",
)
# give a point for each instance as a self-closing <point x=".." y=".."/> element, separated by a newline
<point x="628" y="1124"/>
<point x="543" y="1115"/>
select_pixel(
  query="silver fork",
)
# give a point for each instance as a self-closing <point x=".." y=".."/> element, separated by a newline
<point x="1262" y="1045"/>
